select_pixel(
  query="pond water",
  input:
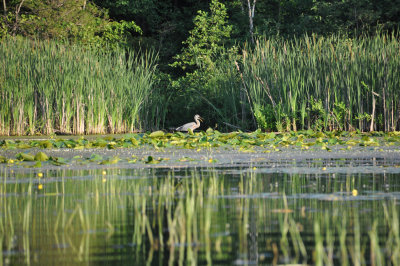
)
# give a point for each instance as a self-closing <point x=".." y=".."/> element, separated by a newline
<point x="315" y="211"/>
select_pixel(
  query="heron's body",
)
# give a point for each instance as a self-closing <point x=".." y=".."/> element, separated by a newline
<point x="191" y="125"/>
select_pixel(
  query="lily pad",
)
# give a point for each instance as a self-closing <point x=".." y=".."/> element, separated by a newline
<point x="46" y="144"/>
<point x="23" y="146"/>
<point x="57" y="161"/>
<point x="25" y="156"/>
<point x="151" y="160"/>
<point x="157" y="134"/>
<point x="112" y="160"/>
<point x="38" y="164"/>
<point x="95" y="157"/>
<point x="41" y="156"/>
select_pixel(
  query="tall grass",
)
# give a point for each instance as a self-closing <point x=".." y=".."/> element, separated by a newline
<point x="47" y="87"/>
<point x="324" y="83"/>
<point x="312" y="82"/>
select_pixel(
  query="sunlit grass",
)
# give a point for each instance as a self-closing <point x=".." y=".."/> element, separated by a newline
<point x="48" y="87"/>
<point x="324" y="83"/>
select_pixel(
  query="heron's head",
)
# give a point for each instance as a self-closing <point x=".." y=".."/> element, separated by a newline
<point x="197" y="117"/>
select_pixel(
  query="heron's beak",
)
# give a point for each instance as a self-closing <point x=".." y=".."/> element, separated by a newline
<point x="201" y="119"/>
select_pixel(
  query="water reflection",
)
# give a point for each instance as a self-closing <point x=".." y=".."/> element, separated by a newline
<point x="243" y="215"/>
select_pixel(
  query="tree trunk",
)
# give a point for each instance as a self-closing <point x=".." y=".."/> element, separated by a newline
<point x="4" y="7"/>
<point x="251" y="16"/>
<point x="371" y="127"/>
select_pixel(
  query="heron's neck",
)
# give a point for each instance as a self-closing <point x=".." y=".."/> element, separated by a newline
<point x="197" y="122"/>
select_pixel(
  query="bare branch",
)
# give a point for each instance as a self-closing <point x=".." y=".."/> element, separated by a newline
<point x="17" y="10"/>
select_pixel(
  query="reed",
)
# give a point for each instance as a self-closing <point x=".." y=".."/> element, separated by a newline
<point x="47" y="87"/>
<point x="324" y="83"/>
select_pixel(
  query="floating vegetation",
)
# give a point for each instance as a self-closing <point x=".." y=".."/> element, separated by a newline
<point x="208" y="141"/>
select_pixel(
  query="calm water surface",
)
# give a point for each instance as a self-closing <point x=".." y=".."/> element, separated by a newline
<point x="278" y="212"/>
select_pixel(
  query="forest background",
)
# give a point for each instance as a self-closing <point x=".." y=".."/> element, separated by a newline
<point x="102" y="66"/>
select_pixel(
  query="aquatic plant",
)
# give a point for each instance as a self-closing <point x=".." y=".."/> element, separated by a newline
<point x="48" y="86"/>
<point x="208" y="141"/>
<point x="328" y="83"/>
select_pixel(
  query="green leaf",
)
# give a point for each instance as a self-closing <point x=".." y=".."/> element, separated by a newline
<point x="134" y="142"/>
<point x="25" y="156"/>
<point x="112" y="160"/>
<point x="57" y="160"/>
<point x="157" y="134"/>
<point x="95" y="157"/>
<point x="46" y="144"/>
<point x="37" y="164"/>
<point x="23" y="146"/>
<point x="41" y="156"/>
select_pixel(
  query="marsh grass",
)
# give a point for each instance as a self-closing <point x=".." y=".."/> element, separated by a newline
<point x="310" y="82"/>
<point x="46" y="86"/>
<point x="324" y="83"/>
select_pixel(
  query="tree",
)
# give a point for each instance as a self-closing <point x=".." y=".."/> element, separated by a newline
<point x="165" y="24"/>
<point x="206" y="40"/>
<point x="251" y="8"/>
<point x="69" y="20"/>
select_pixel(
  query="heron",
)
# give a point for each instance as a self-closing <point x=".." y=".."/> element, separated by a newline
<point x="191" y="125"/>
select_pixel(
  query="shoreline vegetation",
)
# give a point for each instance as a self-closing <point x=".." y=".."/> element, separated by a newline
<point x="313" y="82"/>
<point x="51" y="87"/>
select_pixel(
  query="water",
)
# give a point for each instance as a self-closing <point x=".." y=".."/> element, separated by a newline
<point x="312" y="211"/>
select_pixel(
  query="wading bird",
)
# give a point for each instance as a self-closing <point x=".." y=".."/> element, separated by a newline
<point x="191" y="125"/>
